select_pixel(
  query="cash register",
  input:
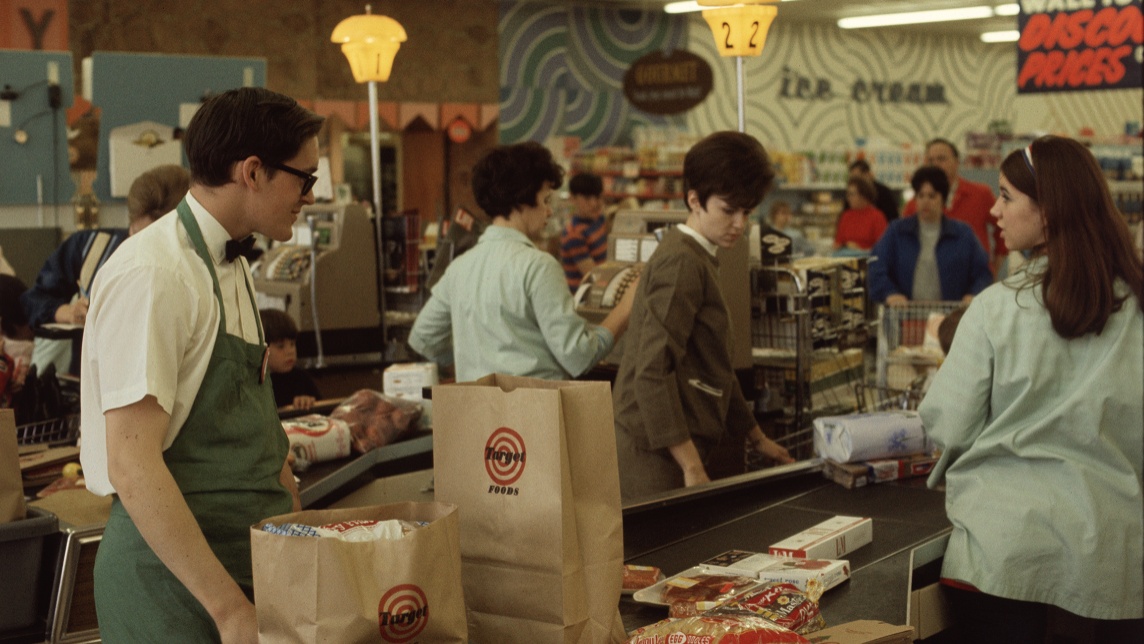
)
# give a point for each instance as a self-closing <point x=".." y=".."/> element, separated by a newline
<point x="325" y="278"/>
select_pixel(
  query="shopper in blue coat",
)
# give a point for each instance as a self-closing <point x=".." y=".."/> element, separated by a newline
<point x="928" y="256"/>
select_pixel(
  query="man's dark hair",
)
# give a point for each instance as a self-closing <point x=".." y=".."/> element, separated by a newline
<point x="861" y="165"/>
<point x="952" y="147"/>
<point x="732" y="165"/>
<point x="586" y="184"/>
<point x="510" y="176"/>
<point x="246" y="122"/>
<point x="278" y="325"/>
<point x="934" y="176"/>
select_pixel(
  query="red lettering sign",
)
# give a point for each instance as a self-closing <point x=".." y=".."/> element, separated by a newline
<point x="1085" y="49"/>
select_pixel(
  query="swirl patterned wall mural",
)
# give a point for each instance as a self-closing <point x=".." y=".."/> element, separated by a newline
<point x="562" y="69"/>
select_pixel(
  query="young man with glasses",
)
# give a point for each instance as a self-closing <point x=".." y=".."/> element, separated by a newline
<point x="179" y="421"/>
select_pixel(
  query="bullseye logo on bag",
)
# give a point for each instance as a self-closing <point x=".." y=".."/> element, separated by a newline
<point x="504" y="461"/>
<point x="402" y="613"/>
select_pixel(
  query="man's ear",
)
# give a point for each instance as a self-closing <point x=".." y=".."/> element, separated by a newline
<point x="245" y="172"/>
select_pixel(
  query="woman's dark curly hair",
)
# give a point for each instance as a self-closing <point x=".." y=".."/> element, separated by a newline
<point x="510" y="176"/>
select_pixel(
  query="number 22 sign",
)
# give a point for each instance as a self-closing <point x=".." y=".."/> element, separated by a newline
<point x="740" y="30"/>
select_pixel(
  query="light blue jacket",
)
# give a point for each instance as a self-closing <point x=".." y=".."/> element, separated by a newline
<point x="504" y="307"/>
<point x="1043" y="454"/>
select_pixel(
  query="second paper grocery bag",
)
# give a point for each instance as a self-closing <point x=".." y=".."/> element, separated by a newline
<point x="531" y="465"/>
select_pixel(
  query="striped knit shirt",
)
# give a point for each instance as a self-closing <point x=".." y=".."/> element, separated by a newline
<point x="582" y="239"/>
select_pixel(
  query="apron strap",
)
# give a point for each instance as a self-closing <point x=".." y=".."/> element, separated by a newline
<point x="196" y="235"/>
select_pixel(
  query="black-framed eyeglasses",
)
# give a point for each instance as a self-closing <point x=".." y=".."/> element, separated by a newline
<point x="308" y="180"/>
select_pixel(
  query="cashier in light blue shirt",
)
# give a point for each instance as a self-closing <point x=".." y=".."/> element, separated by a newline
<point x="504" y="306"/>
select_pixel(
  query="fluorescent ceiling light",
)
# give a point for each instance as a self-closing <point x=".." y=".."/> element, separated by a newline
<point x="691" y="5"/>
<point x="1007" y="9"/>
<point x="917" y="17"/>
<point x="1001" y="36"/>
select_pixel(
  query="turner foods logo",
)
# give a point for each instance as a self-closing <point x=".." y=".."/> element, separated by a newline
<point x="504" y="460"/>
<point x="402" y="613"/>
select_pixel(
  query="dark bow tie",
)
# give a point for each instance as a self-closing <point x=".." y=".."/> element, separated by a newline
<point x="244" y="247"/>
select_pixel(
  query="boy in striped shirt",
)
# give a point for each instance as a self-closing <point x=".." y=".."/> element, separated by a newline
<point x="584" y="242"/>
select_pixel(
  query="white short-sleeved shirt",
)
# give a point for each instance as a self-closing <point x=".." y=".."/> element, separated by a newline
<point x="151" y="328"/>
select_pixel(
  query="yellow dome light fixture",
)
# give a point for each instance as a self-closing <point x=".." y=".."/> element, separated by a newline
<point x="739" y="26"/>
<point x="740" y="29"/>
<point x="370" y="42"/>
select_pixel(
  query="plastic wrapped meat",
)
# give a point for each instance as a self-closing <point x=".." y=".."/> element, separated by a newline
<point x="377" y="420"/>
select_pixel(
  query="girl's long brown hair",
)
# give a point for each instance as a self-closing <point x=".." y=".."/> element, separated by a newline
<point x="1087" y="239"/>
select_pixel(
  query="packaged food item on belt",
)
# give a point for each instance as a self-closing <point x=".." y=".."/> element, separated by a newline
<point x="315" y="438"/>
<point x="812" y="576"/>
<point x="375" y="419"/>
<point x="782" y="604"/>
<point x="684" y="594"/>
<point x="872" y="435"/>
<point x="357" y="530"/>
<point x="639" y="577"/>
<point x="742" y="628"/>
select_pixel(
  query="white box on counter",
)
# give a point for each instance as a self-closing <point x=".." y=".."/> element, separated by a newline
<point x="406" y="379"/>
<point x="804" y="574"/>
<point x="830" y="539"/>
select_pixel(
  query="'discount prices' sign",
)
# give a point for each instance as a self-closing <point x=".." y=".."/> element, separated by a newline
<point x="1074" y="45"/>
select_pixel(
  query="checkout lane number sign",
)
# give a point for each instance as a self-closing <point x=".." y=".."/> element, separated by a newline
<point x="402" y="613"/>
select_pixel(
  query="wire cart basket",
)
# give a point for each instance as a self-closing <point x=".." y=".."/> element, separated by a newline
<point x="809" y="322"/>
<point x="55" y="431"/>
<point x="904" y="353"/>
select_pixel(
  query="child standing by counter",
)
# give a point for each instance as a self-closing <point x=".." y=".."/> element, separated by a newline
<point x="292" y="386"/>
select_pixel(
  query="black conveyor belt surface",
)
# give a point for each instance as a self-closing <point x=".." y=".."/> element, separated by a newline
<point x="677" y="536"/>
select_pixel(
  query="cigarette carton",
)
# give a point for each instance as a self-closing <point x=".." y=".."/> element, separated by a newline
<point x="892" y="469"/>
<point x="830" y="539"/>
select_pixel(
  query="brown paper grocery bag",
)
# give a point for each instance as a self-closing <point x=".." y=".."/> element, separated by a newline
<point x="323" y="589"/>
<point x="11" y="483"/>
<point x="531" y="465"/>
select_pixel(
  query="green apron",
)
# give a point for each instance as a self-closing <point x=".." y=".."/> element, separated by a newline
<point x="226" y="460"/>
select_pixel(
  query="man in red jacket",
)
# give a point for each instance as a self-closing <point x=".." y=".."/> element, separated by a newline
<point x="969" y="201"/>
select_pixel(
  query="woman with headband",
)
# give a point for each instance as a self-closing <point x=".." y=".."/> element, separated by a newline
<point x="1039" y="411"/>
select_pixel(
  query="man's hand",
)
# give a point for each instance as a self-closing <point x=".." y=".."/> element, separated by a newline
<point x="897" y="299"/>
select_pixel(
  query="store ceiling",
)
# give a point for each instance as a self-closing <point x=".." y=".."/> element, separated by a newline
<point x="829" y="11"/>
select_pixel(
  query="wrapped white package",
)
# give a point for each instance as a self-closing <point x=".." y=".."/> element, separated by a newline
<point x="863" y="437"/>
<point x="315" y="438"/>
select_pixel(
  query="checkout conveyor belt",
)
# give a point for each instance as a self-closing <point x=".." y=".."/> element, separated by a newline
<point x="678" y="533"/>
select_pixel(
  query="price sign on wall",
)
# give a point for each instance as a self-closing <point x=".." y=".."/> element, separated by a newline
<point x="1079" y="45"/>
<point x="740" y="30"/>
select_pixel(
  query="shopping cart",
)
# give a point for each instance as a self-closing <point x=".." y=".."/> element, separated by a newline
<point x="52" y="432"/>
<point x="908" y="346"/>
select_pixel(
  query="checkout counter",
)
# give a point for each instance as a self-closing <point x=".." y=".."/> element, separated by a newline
<point x="325" y="278"/>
